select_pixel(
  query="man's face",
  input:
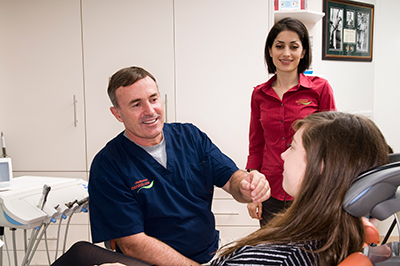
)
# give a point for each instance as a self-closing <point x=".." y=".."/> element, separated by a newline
<point x="141" y="111"/>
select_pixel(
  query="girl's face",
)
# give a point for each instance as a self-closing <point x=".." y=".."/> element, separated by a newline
<point x="286" y="51"/>
<point x="294" y="164"/>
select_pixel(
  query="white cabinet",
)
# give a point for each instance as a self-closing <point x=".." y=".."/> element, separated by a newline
<point x="40" y="73"/>
<point x="54" y="52"/>
<point x="118" y="34"/>
<point x="231" y="217"/>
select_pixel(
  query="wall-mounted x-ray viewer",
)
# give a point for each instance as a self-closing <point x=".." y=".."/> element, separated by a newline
<point x="5" y="173"/>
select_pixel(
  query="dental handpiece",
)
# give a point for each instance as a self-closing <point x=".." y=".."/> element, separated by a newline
<point x="43" y="198"/>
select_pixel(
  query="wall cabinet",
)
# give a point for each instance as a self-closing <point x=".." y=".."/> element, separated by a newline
<point x="56" y="59"/>
<point x="231" y="217"/>
<point x="40" y="74"/>
<point x="118" y="34"/>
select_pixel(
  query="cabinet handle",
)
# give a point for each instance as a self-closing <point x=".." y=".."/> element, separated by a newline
<point x="226" y="213"/>
<point x="75" y="120"/>
<point x="166" y="108"/>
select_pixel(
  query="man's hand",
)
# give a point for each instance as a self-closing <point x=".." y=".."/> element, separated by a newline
<point x="248" y="187"/>
<point x="255" y="186"/>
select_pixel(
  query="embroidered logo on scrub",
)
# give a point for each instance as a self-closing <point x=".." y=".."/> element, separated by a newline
<point x="142" y="184"/>
<point x="303" y="101"/>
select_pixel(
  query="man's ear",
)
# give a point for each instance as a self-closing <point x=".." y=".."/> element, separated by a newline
<point x="116" y="113"/>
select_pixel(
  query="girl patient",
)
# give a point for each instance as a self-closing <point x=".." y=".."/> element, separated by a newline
<point x="329" y="150"/>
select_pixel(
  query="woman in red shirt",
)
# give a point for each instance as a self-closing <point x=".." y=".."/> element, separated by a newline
<point x="286" y="97"/>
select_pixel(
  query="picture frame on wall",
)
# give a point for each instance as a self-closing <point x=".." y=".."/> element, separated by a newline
<point x="347" y="30"/>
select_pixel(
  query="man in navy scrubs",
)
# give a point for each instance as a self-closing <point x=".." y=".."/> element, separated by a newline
<point x="151" y="187"/>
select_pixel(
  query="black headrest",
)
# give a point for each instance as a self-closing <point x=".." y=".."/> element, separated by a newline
<point x="394" y="157"/>
<point x="375" y="193"/>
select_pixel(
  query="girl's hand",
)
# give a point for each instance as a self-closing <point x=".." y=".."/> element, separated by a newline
<point x="255" y="210"/>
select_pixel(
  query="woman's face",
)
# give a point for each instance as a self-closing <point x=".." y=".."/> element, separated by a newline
<point x="294" y="164"/>
<point x="286" y="51"/>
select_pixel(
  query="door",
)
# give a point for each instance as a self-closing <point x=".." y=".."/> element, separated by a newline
<point x="41" y="85"/>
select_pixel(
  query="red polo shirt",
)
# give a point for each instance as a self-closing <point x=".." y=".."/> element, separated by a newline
<point x="271" y="121"/>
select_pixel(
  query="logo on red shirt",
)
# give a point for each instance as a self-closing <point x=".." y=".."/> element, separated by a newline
<point x="303" y="102"/>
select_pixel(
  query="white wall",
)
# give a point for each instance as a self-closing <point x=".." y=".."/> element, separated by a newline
<point x="387" y="71"/>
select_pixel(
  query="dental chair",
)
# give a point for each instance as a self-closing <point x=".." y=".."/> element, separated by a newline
<point x="375" y="193"/>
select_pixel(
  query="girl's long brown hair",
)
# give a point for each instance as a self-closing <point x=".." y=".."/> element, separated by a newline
<point x="339" y="146"/>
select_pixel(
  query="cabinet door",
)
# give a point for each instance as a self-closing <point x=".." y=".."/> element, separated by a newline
<point x="40" y="74"/>
<point x="119" y="34"/>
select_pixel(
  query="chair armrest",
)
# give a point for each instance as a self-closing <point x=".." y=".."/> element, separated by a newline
<point x="356" y="258"/>
<point x="371" y="235"/>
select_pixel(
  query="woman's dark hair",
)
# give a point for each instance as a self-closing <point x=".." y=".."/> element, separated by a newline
<point x="289" y="24"/>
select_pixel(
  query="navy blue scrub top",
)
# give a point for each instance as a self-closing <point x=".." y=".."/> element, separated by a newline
<point x="130" y="192"/>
